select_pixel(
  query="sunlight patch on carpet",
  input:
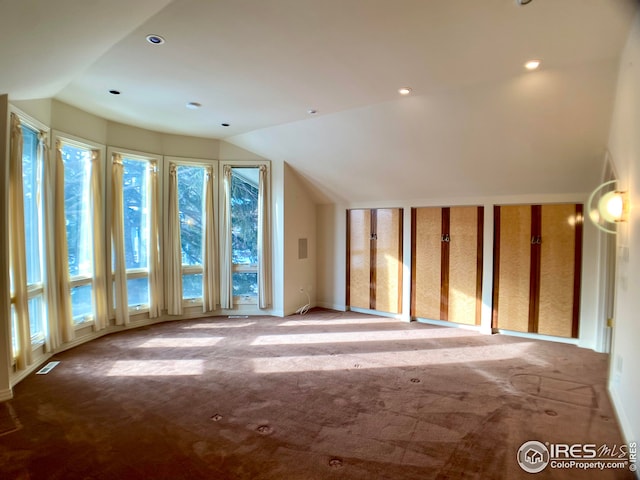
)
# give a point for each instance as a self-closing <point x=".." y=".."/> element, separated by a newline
<point x="199" y="326"/>
<point x="374" y="336"/>
<point x="181" y="342"/>
<point x="156" y="368"/>
<point x="390" y="359"/>
<point x="338" y="321"/>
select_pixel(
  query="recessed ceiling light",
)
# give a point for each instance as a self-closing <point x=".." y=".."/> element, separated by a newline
<point x="114" y="92"/>
<point x="532" y="64"/>
<point x="404" y="90"/>
<point x="193" y="105"/>
<point x="312" y="111"/>
<point x="155" y="39"/>
<point x="225" y="124"/>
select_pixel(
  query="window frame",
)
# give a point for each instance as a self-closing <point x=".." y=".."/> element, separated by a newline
<point x="138" y="310"/>
<point x="187" y="162"/>
<point x="38" y="289"/>
<point x="78" y="142"/>
<point x="243" y="268"/>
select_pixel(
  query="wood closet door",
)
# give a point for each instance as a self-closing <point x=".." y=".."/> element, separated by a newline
<point x="537" y="268"/>
<point x="387" y="273"/>
<point x="512" y="267"/>
<point x="359" y="262"/>
<point x="465" y="265"/>
<point x="560" y="257"/>
<point x="374" y="265"/>
<point x="426" y="272"/>
<point x="447" y="263"/>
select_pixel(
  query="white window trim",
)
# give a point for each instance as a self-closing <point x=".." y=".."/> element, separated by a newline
<point x="244" y="268"/>
<point x="78" y="142"/>
<point x="36" y="289"/>
<point x="131" y="273"/>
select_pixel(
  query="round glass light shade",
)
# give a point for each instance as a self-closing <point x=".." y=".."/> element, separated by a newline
<point x="611" y="206"/>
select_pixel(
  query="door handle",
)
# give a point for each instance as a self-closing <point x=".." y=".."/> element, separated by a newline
<point x="445" y="237"/>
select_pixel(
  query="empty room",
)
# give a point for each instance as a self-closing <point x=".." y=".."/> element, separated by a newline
<point x="315" y="239"/>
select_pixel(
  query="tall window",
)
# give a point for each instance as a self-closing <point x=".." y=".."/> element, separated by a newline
<point x="26" y="243"/>
<point x="191" y="210"/>
<point x="32" y="183"/>
<point x="78" y="216"/>
<point x="244" y="232"/>
<point x="137" y="229"/>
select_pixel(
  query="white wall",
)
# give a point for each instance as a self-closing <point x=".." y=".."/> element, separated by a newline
<point x="624" y="145"/>
<point x="299" y="223"/>
<point x="332" y="254"/>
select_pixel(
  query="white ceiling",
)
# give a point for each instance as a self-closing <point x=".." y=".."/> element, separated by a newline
<point x="475" y="124"/>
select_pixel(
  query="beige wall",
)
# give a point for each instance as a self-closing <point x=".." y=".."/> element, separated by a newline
<point x="299" y="223"/>
<point x="624" y="146"/>
<point x="331" y="231"/>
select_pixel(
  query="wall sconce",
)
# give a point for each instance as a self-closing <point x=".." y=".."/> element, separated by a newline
<point x="608" y="206"/>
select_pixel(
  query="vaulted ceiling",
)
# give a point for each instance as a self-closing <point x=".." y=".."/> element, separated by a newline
<point x="475" y="123"/>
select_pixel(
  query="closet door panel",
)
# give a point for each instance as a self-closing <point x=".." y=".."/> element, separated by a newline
<point x="359" y="258"/>
<point x="515" y="265"/>
<point x="427" y="265"/>
<point x="388" y="260"/>
<point x="557" y="267"/>
<point x="463" y="252"/>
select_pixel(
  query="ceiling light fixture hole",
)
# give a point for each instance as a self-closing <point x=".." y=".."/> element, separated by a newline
<point x="114" y="92"/>
<point x="532" y="64"/>
<point x="193" y="105"/>
<point x="155" y="39"/>
<point x="225" y="124"/>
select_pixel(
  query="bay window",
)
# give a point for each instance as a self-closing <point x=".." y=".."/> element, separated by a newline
<point x="78" y="219"/>
<point x="191" y="214"/>
<point x="26" y="238"/>
<point x="135" y="260"/>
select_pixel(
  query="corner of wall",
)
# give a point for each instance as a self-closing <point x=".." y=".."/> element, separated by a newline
<point x="299" y="227"/>
<point x="5" y="301"/>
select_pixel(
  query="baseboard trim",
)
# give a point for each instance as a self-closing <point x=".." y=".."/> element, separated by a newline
<point x="538" y="336"/>
<point x="6" y="394"/>
<point x="396" y="316"/>
<point x="444" y="323"/>
<point x="332" y="306"/>
<point x="627" y="431"/>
